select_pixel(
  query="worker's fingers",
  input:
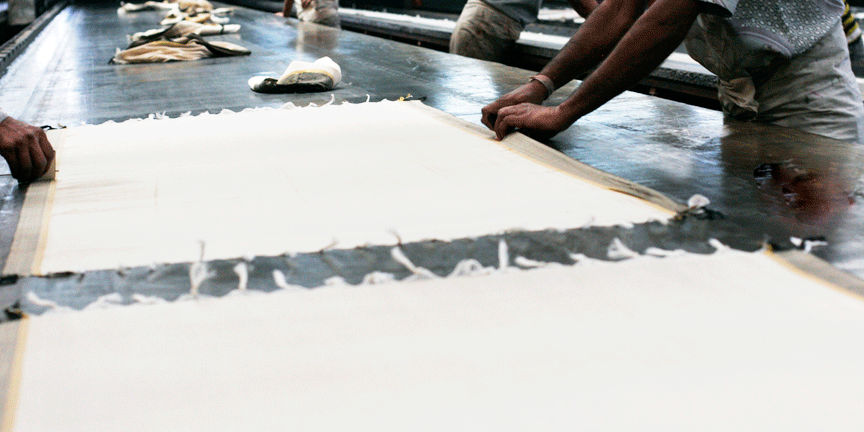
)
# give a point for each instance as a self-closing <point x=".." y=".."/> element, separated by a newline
<point x="39" y="163"/>
<point x="492" y="111"/>
<point x="23" y="166"/>
<point x="490" y="115"/>
<point x="506" y="121"/>
<point x="45" y="146"/>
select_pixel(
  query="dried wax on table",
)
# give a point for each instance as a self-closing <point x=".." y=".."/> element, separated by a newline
<point x="268" y="182"/>
<point x="680" y="343"/>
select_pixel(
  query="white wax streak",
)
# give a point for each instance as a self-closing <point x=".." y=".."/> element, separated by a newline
<point x="731" y="341"/>
<point x="277" y="181"/>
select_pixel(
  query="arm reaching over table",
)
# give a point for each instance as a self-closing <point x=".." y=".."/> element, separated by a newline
<point x="25" y="148"/>
<point x="627" y="38"/>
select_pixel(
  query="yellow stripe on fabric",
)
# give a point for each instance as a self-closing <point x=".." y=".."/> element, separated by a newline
<point x="820" y="271"/>
<point x="13" y="358"/>
<point x="28" y="245"/>
<point x="550" y="158"/>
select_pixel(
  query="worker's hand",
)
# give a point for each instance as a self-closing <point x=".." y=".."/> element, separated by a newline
<point x="536" y="121"/>
<point x="306" y="4"/>
<point x="25" y="148"/>
<point x="532" y="92"/>
<point x="279" y="14"/>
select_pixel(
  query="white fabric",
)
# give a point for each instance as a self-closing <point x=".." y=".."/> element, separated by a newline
<point x="729" y="342"/>
<point x="323" y="64"/>
<point x="277" y="181"/>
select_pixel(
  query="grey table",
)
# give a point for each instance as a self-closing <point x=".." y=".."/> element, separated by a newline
<point x="766" y="184"/>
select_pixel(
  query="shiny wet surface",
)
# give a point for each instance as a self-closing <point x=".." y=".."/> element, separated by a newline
<point x="767" y="185"/>
<point x="815" y="190"/>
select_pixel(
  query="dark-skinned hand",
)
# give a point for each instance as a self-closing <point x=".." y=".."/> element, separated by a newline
<point x="537" y="121"/>
<point x="533" y="92"/>
<point x="25" y="148"/>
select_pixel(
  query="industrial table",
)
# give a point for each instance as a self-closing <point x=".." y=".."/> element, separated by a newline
<point x="767" y="185"/>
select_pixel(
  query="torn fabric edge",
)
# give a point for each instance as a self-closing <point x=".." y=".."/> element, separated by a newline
<point x="351" y="267"/>
<point x="31" y="234"/>
<point x="27" y="247"/>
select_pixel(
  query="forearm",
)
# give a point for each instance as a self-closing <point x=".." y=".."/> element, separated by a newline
<point x="286" y="7"/>
<point x="656" y="34"/>
<point x="594" y="40"/>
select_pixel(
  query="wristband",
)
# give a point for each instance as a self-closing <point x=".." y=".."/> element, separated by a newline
<point x="546" y="81"/>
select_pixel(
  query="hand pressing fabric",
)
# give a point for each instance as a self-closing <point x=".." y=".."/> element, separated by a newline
<point x="25" y="148"/>
<point x="520" y="109"/>
<point x="538" y="122"/>
<point x="533" y="92"/>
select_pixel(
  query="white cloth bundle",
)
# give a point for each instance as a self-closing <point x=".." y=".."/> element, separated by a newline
<point x="300" y="77"/>
<point x="181" y="29"/>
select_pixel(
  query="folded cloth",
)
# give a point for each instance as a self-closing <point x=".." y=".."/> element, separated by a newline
<point x="180" y="30"/>
<point x="191" y="6"/>
<point x="150" y="5"/>
<point x="301" y="77"/>
<point x="194" y="5"/>
<point x="193" y="47"/>
<point x="211" y="17"/>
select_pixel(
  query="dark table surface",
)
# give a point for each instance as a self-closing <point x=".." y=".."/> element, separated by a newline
<point x="766" y="184"/>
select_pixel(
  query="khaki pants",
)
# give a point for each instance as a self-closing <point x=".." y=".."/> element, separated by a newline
<point x="483" y="32"/>
<point x="816" y="92"/>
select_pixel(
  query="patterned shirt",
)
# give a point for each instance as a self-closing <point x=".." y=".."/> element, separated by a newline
<point x="733" y="38"/>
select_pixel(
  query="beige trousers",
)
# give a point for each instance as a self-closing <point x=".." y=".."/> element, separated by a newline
<point x="483" y="32"/>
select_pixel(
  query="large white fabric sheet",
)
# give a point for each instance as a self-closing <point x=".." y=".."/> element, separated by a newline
<point x="728" y="342"/>
<point x="277" y="181"/>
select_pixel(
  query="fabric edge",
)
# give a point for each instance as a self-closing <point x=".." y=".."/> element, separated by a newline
<point x="544" y="155"/>
<point x="820" y="270"/>
<point x="29" y="241"/>
<point x="14" y="335"/>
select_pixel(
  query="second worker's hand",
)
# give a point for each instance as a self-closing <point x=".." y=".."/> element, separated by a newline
<point x="537" y="121"/>
<point x="25" y="148"/>
<point x="533" y="92"/>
